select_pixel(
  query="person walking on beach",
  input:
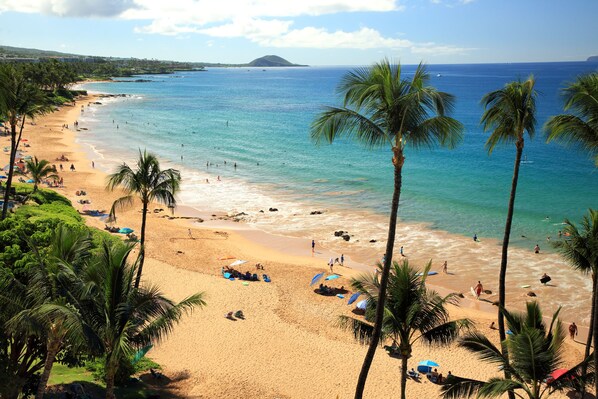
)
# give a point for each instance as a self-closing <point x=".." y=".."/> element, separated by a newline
<point x="331" y="263"/>
<point x="72" y="167"/>
<point x="93" y="164"/>
<point x="401" y="250"/>
<point x="445" y="267"/>
<point x="475" y="237"/>
<point x="342" y="260"/>
<point x="537" y="249"/>
<point x="313" y="246"/>
<point x="572" y="330"/>
<point x="190" y="234"/>
<point x="478" y="289"/>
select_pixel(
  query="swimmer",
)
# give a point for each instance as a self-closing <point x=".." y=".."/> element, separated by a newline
<point x="478" y="289"/>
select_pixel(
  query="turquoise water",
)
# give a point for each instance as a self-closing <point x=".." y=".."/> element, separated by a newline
<point x="259" y="119"/>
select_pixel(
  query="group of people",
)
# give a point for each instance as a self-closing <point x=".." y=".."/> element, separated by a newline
<point x="247" y="276"/>
<point x="333" y="261"/>
<point x="326" y="290"/>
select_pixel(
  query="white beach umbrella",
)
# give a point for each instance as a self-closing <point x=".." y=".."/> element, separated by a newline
<point x="237" y="262"/>
<point x="362" y="304"/>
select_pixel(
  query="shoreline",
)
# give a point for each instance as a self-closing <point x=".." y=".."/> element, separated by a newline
<point x="284" y="317"/>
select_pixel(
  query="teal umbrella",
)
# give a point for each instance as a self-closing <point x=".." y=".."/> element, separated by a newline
<point x="140" y="353"/>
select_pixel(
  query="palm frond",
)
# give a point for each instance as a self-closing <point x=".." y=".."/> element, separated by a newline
<point x="458" y="387"/>
<point x="362" y="331"/>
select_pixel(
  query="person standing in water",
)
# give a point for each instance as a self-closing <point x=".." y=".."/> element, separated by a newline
<point x="445" y="267"/>
<point x="478" y="289"/>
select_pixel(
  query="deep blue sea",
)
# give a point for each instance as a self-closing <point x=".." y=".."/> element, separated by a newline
<point x="260" y="120"/>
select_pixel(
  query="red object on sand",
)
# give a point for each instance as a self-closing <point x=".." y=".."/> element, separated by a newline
<point x="556" y="374"/>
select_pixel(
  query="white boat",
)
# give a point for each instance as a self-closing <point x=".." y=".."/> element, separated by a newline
<point x="525" y="161"/>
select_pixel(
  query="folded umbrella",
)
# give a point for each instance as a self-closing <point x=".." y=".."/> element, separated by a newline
<point x="332" y="277"/>
<point x="353" y="298"/>
<point x="316" y="278"/>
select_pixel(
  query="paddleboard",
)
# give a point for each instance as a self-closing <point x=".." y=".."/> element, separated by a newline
<point x="525" y="286"/>
<point x="429" y="273"/>
<point x="226" y="257"/>
<point x="473" y="293"/>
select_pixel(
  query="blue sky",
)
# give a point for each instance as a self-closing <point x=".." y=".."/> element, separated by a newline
<point x="314" y="32"/>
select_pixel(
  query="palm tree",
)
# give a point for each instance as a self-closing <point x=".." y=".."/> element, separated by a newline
<point x="18" y="100"/>
<point x="509" y="113"/>
<point x="40" y="170"/>
<point x="581" y="127"/>
<point x="412" y="312"/>
<point x="381" y="109"/>
<point x="580" y="248"/>
<point x="534" y="353"/>
<point x="49" y="315"/>
<point x="123" y="316"/>
<point x="149" y="183"/>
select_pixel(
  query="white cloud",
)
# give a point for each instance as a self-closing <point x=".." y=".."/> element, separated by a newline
<point x="268" y="23"/>
<point x="69" y="8"/>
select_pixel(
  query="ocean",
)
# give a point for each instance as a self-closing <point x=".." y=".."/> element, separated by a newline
<point x="205" y="123"/>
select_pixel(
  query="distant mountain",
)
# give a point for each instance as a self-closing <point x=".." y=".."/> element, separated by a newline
<point x="19" y="52"/>
<point x="272" y="61"/>
<point x="593" y="58"/>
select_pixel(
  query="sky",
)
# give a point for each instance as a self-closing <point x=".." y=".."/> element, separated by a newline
<point x="313" y="32"/>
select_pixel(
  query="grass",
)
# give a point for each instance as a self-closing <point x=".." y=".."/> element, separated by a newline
<point x="62" y="374"/>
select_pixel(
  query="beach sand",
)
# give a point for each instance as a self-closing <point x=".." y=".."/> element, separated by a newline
<point x="288" y="346"/>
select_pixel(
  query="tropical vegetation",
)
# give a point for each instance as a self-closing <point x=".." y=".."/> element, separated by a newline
<point x="40" y="170"/>
<point x="412" y="312"/>
<point x="509" y="113"/>
<point x="580" y="248"/>
<point x="580" y="127"/>
<point x="19" y="100"/>
<point x="534" y="352"/>
<point x="67" y="294"/>
<point x="150" y="184"/>
<point x="383" y="109"/>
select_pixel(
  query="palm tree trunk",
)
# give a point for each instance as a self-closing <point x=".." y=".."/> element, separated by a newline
<point x="584" y="368"/>
<point x="404" y="360"/>
<point x="11" y="169"/>
<point x="392" y="226"/>
<point x="142" y="244"/>
<point x="52" y="351"/>
<point x="110" y="373"/>
<point x="505" y="251"/>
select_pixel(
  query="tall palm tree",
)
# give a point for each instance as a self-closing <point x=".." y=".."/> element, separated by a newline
<point x="123" y="316"/>
<point x="581" y="127"/>
<point x="383" y="109"/>
<point x="18" y="100"/>
<point x="149" y="183"/>
<point x="580" y="248"/>
<point x="49" y="315"/>
<point x="534" y="353"/>
<point x="509" y="114"/>
<point x="40" y="170"/>
<point x="412" y="312"/>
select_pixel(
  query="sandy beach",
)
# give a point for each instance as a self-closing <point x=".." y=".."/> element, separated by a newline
<point x="289" y="345"/>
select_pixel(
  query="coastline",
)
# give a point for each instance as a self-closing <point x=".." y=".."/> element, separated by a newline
<point x="286" y="320"/>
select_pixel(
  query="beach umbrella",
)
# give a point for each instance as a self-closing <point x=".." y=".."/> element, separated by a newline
<point x="353" y="298"/>
<point x="30" y="181"/>
<point x="2" y="177"/>
<point x="362" y="304"/>
<point x="428" y="363"/>
<point x="558" y="373"/>
<point x="126" y="230"/>
<point x="237" y="263"/>
<point x="332" y="277"/>
<point x="316" y="278"/>
<point x="140" y="353"/>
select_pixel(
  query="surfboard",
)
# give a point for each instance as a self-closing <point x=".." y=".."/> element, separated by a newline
<point x="525" y="286"/>
<point x="429" y="273"/>
<point x="473" y="293"/>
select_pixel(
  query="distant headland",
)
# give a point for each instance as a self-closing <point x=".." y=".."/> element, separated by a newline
<point x="272" y="61"/>
<point x="593" y="58"/>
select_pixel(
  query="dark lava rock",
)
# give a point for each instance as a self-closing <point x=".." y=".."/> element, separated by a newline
<point x="339" y="233"/>
<point x="315" y="213"/>
<point x="273" y="209"/>
<point x="372" y="240"/>
<point x="346" y="237"/>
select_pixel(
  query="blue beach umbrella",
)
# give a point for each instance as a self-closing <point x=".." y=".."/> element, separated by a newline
<point x="425" y="366"/>
<point x="332" y="277"/>
<point x="353" y="298"/>
<point x="362" y="304"/>
<point x="2" y="177"/>
<point x="30" y="181"/>
<point x="125" y="230"/>
<point x="316" y="278"/>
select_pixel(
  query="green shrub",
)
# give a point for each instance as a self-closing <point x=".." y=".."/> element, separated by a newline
<point x="125" y="369"/>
